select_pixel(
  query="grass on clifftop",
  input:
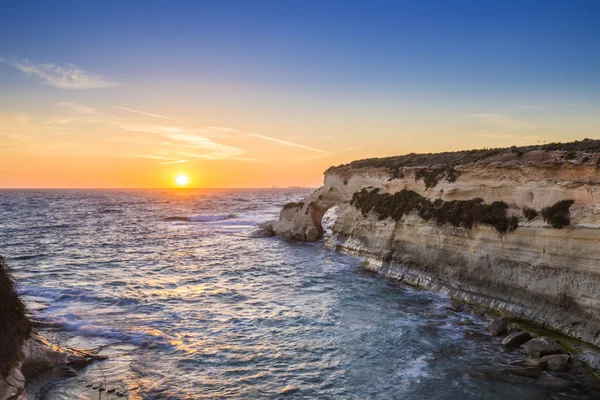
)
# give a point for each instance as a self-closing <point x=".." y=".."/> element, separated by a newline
<point x="15" y="326"/>
<point x="465" y="213"/>
<point x="438" y="166"/>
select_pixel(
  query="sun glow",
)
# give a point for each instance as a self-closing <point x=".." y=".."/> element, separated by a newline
<point x="182" y="180"/>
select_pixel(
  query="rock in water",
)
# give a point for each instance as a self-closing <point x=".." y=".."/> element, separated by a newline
<point x="531" y="363"/>
<point x="531" y="372"/>
<point x="516" y="339"/>
<point x="540" y="347"/>
<point x="497" y="326"/>
<point x="557" y="362"/>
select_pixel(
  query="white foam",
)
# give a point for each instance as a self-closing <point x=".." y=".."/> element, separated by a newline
<point x="210" y="217"/>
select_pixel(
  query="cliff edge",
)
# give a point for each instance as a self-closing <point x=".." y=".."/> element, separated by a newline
<point x="515" y="229"/>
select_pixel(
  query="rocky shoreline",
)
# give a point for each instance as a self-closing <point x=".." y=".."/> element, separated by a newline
<point x="513" y="230"/>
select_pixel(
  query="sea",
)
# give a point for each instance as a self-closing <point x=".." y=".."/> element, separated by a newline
<point x="174" y="287"/>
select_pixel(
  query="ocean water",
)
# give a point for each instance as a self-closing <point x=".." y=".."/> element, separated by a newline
<point x="173" y="288"/>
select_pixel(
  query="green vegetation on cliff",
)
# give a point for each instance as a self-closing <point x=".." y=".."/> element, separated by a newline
<point x="558" y="215"/>
<point x="15" y="326"/>
<point x="465" y="213"/>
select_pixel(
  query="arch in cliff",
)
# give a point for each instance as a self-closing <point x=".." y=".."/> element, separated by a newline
<point x="304" y="220"/>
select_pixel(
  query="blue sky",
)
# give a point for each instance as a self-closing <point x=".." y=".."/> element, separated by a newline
<point x="384" y="77"/>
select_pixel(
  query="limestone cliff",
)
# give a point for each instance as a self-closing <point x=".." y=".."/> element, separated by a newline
<point x="517" y="229"/>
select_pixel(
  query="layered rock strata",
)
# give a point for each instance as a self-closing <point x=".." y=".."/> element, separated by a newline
<point x="514" y="229"/>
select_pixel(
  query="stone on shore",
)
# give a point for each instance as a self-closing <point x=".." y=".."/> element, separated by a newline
<point x="497" y="326"/>
<point x="516" y="339"/>
<point x="540" y="347"/>
<point x="556" y="362"/>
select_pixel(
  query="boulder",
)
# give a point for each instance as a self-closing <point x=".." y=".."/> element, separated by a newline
<point x="540" y="347"/>
<point x="516" y="339"/>
<point x="531" y="372"/>
<point x="556" y="362"/>
<point x="497" y="326"/>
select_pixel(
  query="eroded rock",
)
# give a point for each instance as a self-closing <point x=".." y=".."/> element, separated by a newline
<point x="540" y="347"/>
<point x="516" y="339"/>
<point x="556" y="362"/>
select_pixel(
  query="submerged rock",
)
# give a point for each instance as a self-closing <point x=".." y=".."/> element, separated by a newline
<point x="541" y="346"/>
<point x="531" y="372"/>
<point x="516" y="339"/>
<point x="497" y="326"/>
<point x="557" y="362"/>
<point x="530" y="363"/>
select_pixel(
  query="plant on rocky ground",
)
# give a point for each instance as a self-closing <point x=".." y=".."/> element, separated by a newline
<point x="465" y="213"/>
<point x="558" y="214"/>
<point x="15" y="326"/>
<point x="529" y="213"/>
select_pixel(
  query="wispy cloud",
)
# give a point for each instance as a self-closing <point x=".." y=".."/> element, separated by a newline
<point x="173" y="162"/>
<point x="500" y="120"/>
<point x="140" y="112"/>
<point x="68" y="76"/>
<point x="215" y="150"/>
<point x="328" y="154"/>
<point x="78" y="108"/>
<point x="284" y="142"/>
<point x="268" y="138"/>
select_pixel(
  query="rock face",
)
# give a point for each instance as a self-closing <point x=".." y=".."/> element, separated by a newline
<point x="482" y="226"/>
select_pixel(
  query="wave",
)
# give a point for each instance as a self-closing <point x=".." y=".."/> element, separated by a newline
<point x="202" y="218"/>
<point x="210" y="217"/>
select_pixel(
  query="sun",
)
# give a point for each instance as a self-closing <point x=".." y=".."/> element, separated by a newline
<point x="182" y="180"/>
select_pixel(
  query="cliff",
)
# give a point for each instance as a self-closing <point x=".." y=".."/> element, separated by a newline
<point x="515" y="229"/>
<point x="25" y="354"/>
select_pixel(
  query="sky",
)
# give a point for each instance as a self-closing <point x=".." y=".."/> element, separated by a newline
<point x="271" y="93"/>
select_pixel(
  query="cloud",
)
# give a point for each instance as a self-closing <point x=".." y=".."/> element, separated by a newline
<point x="140" y="112"/>
<point x="269" y="138"/>
<point x="68" y="77"/>
<point x="327" y="154"/>
<point x="78" y="108"/>
<point x="500" y="120"/>
<point x="173" y="162"/>
<point x="215" y="150"/>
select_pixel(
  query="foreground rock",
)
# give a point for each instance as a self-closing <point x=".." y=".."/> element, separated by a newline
<point x="516" y="339"/>
<point x="556" y="362"/>
<point x="424" y="219"/>
<point x="40" y="356"/>
<point x="497" y="326"/>
<point x="540" y="347"/>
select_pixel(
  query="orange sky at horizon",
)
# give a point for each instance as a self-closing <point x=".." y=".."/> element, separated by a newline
<point x="83" y="147"/>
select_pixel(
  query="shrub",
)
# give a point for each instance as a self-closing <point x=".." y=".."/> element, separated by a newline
<point x="452" y="159"/>
<point x="558" y="214"/>
<point x="465" y="213"/>
<point x="529" y="213"/>
<point x="15" y="326"/>
<point x="571" y="154"/>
